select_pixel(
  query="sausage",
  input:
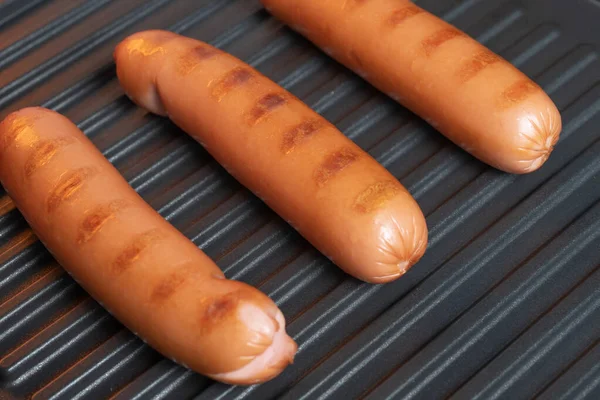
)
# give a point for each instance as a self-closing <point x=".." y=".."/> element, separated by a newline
<point x="474" y="97"/>
<point x="337" y="196"/>
<point x="137" y="265"/>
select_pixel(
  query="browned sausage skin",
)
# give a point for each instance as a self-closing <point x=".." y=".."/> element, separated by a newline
<point x="138" y="266"/>
<point x="471" y="95"/>
<point x="336" y="195"/>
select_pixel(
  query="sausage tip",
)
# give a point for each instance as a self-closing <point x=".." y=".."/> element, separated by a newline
<point x="142" y="88"/>
<point x="538" y="140"/>
<point x="402" y="243"/>
<point x="278" y="355"/>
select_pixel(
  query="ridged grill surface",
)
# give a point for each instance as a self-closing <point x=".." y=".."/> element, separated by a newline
<point x="505" y="303"/>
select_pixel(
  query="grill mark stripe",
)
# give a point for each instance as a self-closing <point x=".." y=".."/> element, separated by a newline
<point x="17" y="129"/>
<point x="375" y="196"/>
<point x="43" y="153"/>
<point x="230" y="81"/>
<point x="334" y="164"/>
<point x="167" y="287"/>
<point x="299" y="133"/>
<point x="265" y="106"/>
<point x="478" y="63"/>
<point x="68" y="187"/>
<point x="433" y="42"/>
<point x="135" y="249"/>
<point x="94" y="221"/>
<point x="190" y="60"/>
<point x="518" y="92"/>
<point x="400" y="16"/>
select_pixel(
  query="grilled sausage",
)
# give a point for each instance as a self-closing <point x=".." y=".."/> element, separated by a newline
<point x="337" y="196"/>
<point x="471" y="95"/>
<point x="137" y="265"/>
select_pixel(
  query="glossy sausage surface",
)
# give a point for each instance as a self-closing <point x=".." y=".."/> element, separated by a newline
<point x="137" y="265"/>
<point x="337" y="196"/>
<point x="471" y="95"/>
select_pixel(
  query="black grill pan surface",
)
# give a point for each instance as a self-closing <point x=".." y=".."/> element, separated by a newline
<point x="504" y="305"/>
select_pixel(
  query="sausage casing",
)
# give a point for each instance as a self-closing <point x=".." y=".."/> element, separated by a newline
<point x="471" y="95"/>
<point x="137" y="265"/>
<point x="337" y="196"/>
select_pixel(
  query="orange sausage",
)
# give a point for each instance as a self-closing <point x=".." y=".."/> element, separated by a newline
<point x="337" y="196"/>
<point x="471" y="95"/>
<point x="137" y="265"/>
